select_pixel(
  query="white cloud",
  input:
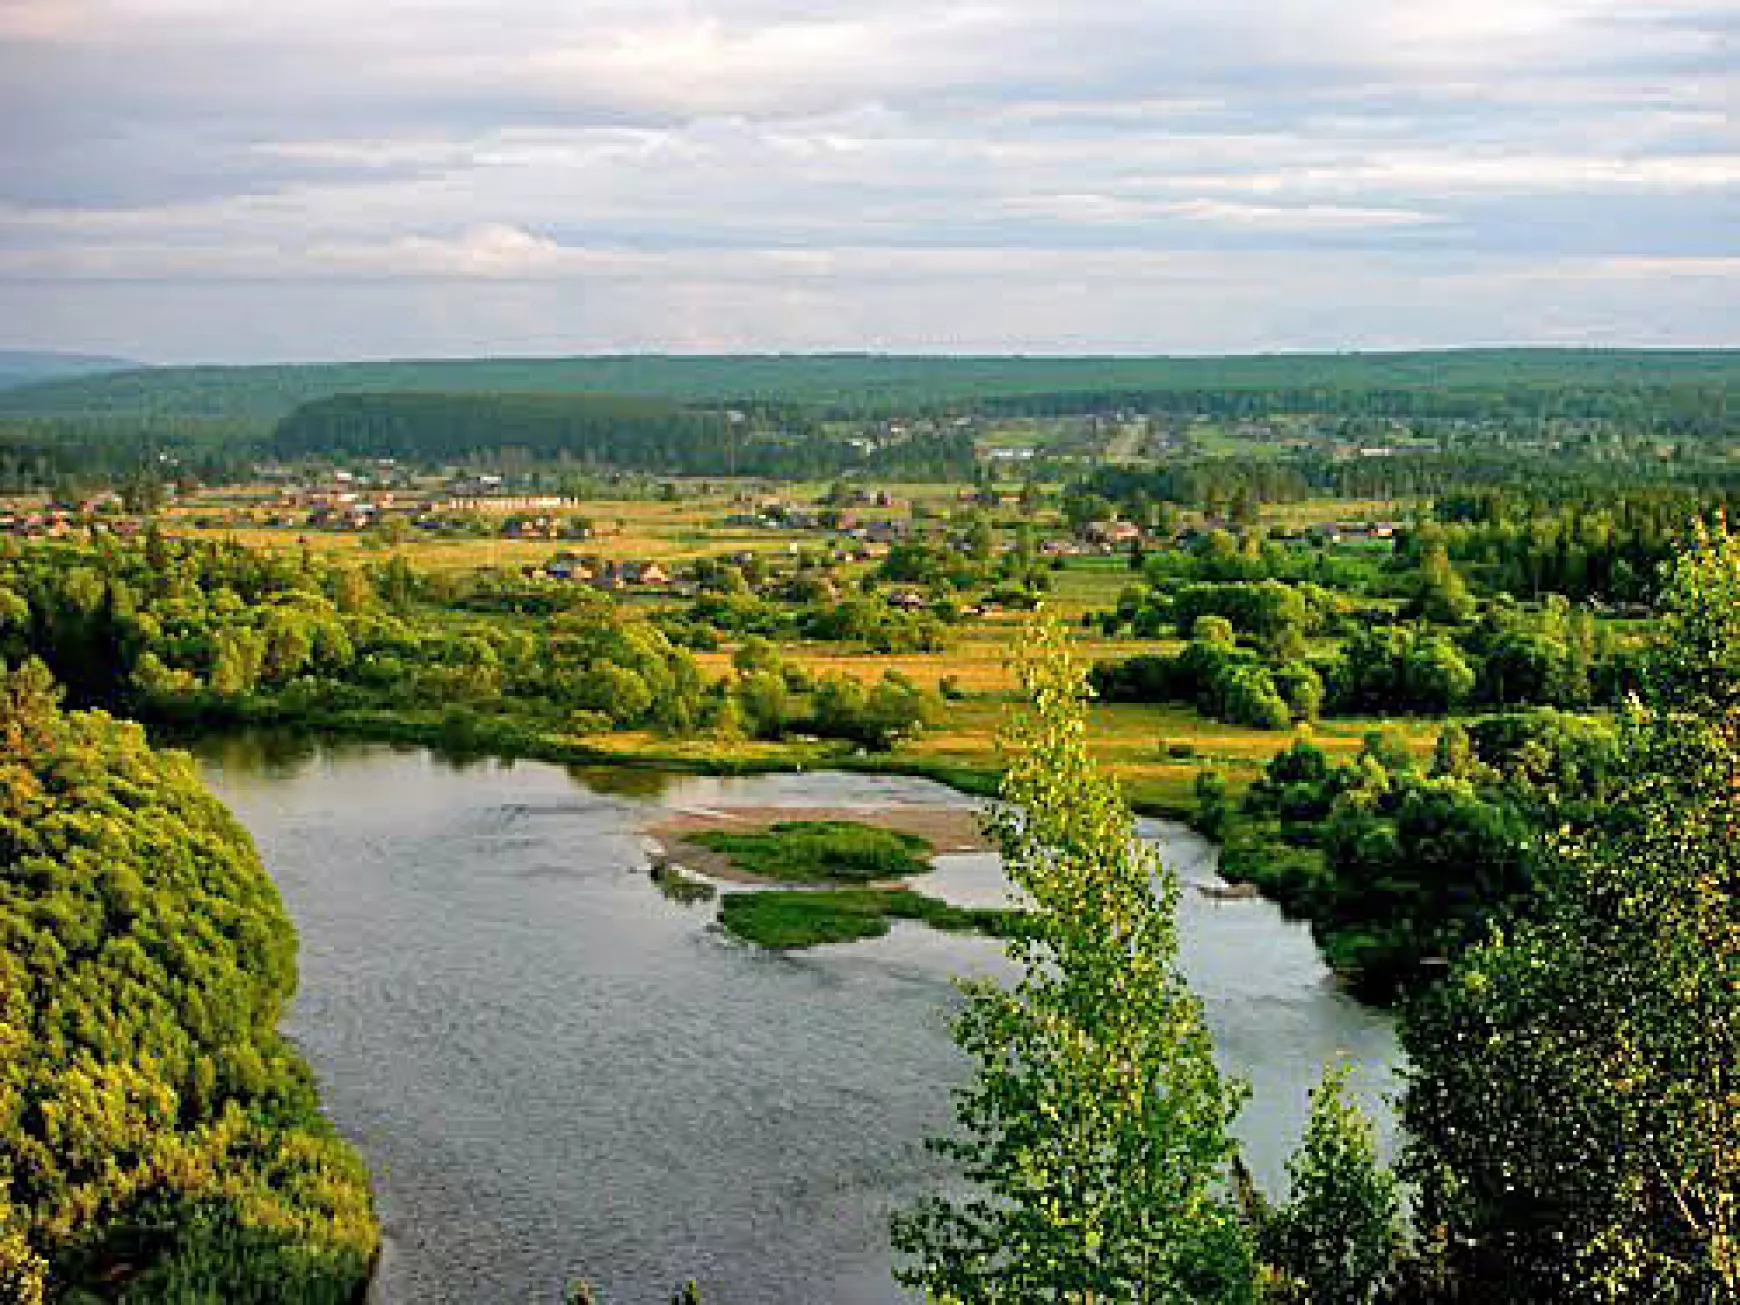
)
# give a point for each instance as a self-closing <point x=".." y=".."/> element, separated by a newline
<point x="1304" y="217"/>
<point x="789" y="152"/>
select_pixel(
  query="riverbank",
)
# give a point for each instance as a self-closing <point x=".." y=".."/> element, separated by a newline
<point x="477" y="735"/>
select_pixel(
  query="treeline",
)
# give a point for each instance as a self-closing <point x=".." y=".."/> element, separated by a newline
<point x="1652" y="386"/>
<point x="1558" y="656"/>
<point x="160" y="1141"/>
<point x="69" y="455"/>
<point x="1583" y="544"/>
<point x="1694" y="411"/>
<point x="608" y="429"/>
<point x="1400" y="862"/>
<point x="603" y="431"/>
<point x="202" y="633"/>
<point x="1281" y="632"/>
<point x="1238" y="487"/>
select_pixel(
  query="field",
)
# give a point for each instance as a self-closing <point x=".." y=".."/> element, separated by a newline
<point x="1155" y="751"/>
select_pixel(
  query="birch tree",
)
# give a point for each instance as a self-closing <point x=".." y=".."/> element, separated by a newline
<point x="1093" y="1141"/>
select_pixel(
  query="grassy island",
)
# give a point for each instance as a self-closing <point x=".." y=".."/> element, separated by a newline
<point x="821" y="852"/>
<point x="797" y="917"/>
<point x="846" y="867"/>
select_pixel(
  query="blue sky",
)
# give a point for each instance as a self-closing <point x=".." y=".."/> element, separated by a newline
<point x="207" y="180"/>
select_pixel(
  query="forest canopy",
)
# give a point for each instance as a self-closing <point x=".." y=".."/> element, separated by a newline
<point x="157" y="1133"/>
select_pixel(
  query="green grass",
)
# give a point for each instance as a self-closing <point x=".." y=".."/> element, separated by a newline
<point x="796" y="918"/>
<point x="820" y="852"/>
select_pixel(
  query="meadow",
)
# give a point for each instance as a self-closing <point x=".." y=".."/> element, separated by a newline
<point x="1156" y="751"/>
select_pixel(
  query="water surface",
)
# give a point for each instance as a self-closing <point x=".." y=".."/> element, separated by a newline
<point x="556" y="1073"/>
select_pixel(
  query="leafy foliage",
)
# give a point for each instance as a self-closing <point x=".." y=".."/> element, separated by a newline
<point x="158" y="1134"/>
<point x="1093" y="1140"/>
<point x="1572" y="1101"/>
<point x="1337" y="1237"/>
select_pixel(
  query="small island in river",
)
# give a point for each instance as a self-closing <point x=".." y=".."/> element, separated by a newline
<point x="834" y="875"/>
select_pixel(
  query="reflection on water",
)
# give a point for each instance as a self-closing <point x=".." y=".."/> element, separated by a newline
<point x="555" y="1072"/>
<point x="625" y="781"/>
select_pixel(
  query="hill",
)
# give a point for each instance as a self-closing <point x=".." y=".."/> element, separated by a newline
<point x="1444" y="382"/>
<point x="26" y="367"/>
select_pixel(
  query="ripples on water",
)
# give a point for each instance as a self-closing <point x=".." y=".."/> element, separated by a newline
<point x="557" y="1073"/>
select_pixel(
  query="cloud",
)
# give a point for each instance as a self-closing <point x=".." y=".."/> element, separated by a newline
<point x="777" y="152"/>
<point x="1303" y="217"/>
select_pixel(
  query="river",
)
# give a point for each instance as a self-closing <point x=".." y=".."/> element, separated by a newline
<point x="556" y="1073"/>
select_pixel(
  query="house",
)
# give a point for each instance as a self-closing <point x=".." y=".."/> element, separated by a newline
<point x="1112" y="532"/>
<point x="566" y="566"/>
<point x="908" y="600"/>
<point x="531" y="528"/>
<point x="616" y="575"/>
<point x="343" y="516"/>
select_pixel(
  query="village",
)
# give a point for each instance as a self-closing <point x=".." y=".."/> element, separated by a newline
<point x="610" y="544"/>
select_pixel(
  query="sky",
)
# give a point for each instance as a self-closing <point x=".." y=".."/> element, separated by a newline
<point x="252" y="180"/>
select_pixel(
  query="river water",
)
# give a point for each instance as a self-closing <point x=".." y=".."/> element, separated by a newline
<point x="555" y="1073"/>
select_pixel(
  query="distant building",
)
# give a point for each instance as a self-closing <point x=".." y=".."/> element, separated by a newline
<point x="1112" y="532"/>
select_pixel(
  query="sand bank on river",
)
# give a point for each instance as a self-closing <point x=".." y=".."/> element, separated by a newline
<point x="946" y="829"/>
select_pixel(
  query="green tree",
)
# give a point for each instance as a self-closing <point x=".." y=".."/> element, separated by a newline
<point x="1094" y="1135"/>
<point x="1337" y="1237"/>
<point x="1441" y="594"/>
<point x="1573" y="1101"/>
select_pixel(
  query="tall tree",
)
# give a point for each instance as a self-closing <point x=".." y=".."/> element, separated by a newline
<point x="1574" y="1101"/>
<point x="1336" y="1238"/>
<point x="1094" y="1136"/>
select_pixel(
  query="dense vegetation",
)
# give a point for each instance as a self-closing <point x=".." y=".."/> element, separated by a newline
<point x="1474" y="382"/>
<point x="1570" y="1098"/>
<point x="1572" y="1105"/>
<point x="1548" y="890"/>
<point x="208" y="633"/>
<point x="449" y="427"/>
<point x="1494" y="417"/>
<point x="1400" y="863"/>
<point x="1093" y="1143"/>
<point x="1434" y="624"/>
<point x="593" y="430"/>
<point x="159" y="1140"/>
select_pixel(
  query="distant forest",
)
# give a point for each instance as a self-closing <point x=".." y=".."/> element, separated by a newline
<point x="856" y="384"/>
<point x="790" y="416"/>
<point x="26" y="367"/>
<point x="604" y="430"/>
